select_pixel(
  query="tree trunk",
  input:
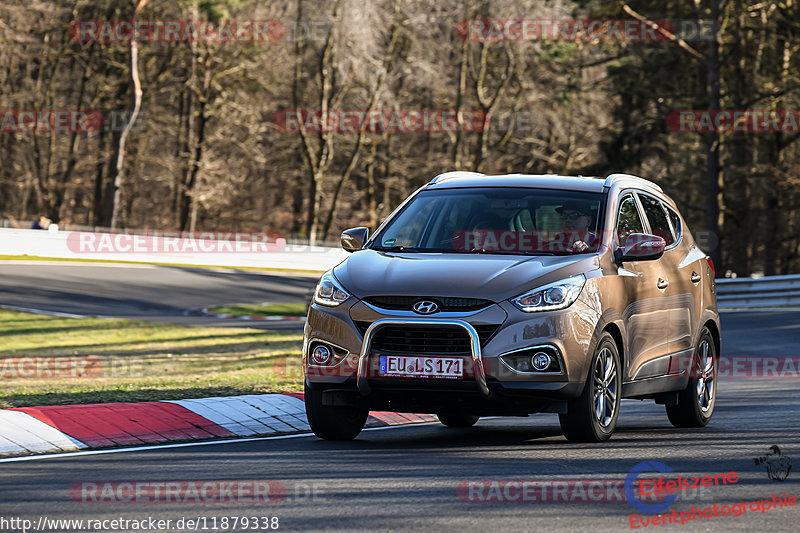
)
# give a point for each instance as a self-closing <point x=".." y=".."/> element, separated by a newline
<point x="118" y="177"/>
<point x="187" y="196"/>
<point x="99" y="177"/>
<point x="712" y="146"/>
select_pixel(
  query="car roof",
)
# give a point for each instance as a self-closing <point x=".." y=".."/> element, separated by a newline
<point x="460" y="179"/>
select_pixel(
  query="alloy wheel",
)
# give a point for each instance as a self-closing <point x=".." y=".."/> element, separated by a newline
<point x="605" y="387"/>
<point x="705" y="379"/>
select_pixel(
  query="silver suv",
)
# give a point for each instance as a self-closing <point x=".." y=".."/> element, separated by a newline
<point x="512" y="295"/>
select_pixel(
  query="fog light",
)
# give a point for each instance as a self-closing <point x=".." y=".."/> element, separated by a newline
<point x="321" y="355"/>
<point x="533" y="360"/>
<point x="541" y="360"/>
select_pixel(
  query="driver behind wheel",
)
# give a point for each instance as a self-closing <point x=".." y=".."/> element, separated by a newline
<point x="576" y="219"/>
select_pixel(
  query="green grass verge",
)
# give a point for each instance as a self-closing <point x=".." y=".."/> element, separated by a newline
<point x="298" y="309"/>
<point x="48" y="360"/>
<point x="81" y="260"/>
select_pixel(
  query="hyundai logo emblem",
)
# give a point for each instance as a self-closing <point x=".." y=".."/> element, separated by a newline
<point x="426" y="307"/>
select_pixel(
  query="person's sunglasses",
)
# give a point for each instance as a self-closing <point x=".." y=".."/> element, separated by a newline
<point x="572" y="216"/>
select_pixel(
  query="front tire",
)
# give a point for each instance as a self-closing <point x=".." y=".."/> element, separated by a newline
<point x="592" y="416"/>
<point x="696" y="402"/>
<point x="452" y="420"/>
<point x="333" y="422"/>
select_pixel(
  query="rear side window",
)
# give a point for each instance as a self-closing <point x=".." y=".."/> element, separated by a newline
<point x="676" y="223"/>
<point x="628" y="220"/>
<point x="656" y="214"/>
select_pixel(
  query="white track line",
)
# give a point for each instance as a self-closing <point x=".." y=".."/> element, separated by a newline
<point x="41" y="311"/>
<point x="186" y="444"/>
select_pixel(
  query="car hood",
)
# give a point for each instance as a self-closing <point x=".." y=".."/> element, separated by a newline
<point x="487" y="276"/>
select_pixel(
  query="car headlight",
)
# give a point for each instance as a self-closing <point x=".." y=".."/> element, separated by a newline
<point x="329" y="292"/>
<point x="558" y="295"/>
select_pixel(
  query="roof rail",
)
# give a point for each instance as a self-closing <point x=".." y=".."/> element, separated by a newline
<point x="613" y="178"/>
<point x="456" y="174"/>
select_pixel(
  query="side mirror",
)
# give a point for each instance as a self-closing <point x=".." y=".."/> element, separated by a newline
<point x="641" y="247"/>
<point x="354" y="238"/>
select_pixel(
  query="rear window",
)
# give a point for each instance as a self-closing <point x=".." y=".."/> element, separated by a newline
<point x="656" y="214"/>
<point x="628" y="220"/>
<point x="676" y="223"/>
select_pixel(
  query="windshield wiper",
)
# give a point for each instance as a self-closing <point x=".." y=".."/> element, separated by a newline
<point x="508" y="252"/>
<point x="405" y="249"/>
<point x="394" y="248"/>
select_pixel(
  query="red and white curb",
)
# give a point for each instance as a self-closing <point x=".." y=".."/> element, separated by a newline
<point x="21" y="433"/>
<point x="63" y="428"/>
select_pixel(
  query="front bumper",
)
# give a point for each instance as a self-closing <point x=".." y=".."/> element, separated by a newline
<point x="412" y="396"/>
<point x="491" y="380"/>
<point x="362" y="381"/>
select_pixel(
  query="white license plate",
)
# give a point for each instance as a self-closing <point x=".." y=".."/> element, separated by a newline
<point x="421" y="367"/>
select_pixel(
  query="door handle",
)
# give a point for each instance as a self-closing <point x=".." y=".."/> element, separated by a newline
<point x="662" y="284"/>
<point x="696" y="278"/>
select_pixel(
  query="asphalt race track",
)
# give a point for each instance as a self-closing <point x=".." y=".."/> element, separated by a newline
<point x="406" y="478"/>
<point x="146" y="292"/>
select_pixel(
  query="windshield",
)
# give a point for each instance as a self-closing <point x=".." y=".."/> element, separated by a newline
<point x="496" y="220"/>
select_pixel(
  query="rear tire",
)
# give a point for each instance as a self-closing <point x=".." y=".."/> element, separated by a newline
<point x="457" y="420"/>
<point x="333" y="422"/>
<point x="592" y="416"/>
<point x="696" y="402"/>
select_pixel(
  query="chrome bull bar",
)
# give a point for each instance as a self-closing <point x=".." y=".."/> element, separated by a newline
<point x="475" y="346"/>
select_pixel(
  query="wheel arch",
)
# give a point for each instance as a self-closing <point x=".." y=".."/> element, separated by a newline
<point x="616" y="334"/>
<point x="713" y="327"/>
<point x="611" y="321"/>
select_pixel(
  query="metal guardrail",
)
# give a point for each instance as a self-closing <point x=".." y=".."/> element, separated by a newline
<point x="750" y="293"/>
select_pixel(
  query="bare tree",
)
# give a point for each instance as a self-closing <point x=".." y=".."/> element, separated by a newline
<point x="117" y="178"/>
